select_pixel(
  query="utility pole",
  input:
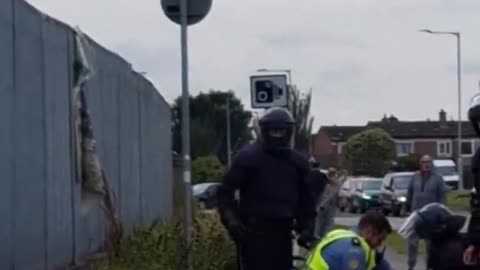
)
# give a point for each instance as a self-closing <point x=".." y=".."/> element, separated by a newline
<point x="459" y="93"/>
<point x="186" y="132"/>
<point x="229" y="143"/>
<point x="185" y="13"/>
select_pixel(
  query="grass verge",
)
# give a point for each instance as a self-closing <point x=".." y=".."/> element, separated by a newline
<point x="458" y="200"/>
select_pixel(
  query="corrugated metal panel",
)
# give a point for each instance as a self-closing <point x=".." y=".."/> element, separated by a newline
<point x="39" y="192"/>
<point x="129" y="150"/>
<point x="166" y="164"/>
<point x="7" y="99"/>
<point x="30" y="141"/>
<point x="57" y="102"/>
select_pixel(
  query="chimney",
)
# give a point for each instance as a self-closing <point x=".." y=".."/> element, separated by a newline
<point x="442" y="116"/>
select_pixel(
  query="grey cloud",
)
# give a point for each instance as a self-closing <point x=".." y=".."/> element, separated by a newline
<point x="160" y="64"/>
<point x="306" y="39"/>
<point x="469" y="67"/>
<point x="362" y="58"/>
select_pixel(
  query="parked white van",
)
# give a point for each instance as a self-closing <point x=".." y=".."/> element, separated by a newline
<point x="447" y="169"/>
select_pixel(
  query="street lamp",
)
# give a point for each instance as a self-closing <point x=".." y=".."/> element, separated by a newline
<point x="288" y="71"/>
<point x="459" y="86"/>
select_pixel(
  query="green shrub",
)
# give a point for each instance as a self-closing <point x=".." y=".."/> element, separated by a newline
<point x="160" y="247"/>
<point x="409" y="162"/>
<point x="207" y="169"/>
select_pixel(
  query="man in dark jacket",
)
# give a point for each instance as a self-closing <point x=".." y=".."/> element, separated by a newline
<point x="318" y="180"/>
<point x="275" y="197"/>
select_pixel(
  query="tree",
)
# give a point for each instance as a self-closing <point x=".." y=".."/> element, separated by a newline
<point x="207" y="169"/>
<point x="408" y="163"/>
<point x="369" y="152"/>
<point x="301" y="112"/>
<point x="208" y="130"/>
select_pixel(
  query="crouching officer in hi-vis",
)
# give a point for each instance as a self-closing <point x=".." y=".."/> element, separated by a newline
<point x="349" y="250"/>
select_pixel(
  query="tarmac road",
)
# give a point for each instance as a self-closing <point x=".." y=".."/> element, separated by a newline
<point x="347" y="219"/>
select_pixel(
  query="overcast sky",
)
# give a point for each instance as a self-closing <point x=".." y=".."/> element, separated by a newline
<point x="362" y="58"/>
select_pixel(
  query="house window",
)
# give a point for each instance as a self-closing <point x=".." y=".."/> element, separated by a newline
<point x="340" y="147"/>
<point x="467" y="148"/>
<point x="404" y="148"/>
<point x="444" y="148"/>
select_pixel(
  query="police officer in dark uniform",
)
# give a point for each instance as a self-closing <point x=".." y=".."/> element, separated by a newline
<point x="472" y="253"/>
<point x="274" y="197"/>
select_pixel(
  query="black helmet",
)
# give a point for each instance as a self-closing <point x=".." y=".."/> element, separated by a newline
<point x="276" y="127"/>
<point x="432" y="221"/>
<point x="474" y="113"/>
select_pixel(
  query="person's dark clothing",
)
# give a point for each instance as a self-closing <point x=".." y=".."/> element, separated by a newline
<point x="318" y="182"/>
<point x="274" y="196"/>
<point x="263" y="248"/>
<point x="447" y="253"/>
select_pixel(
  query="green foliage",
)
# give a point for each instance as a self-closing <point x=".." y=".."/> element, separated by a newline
<point x="160" y="247"/>
<point x="208" y="128"/>
<point x="408" y="163"/>
<point x="207" y="169"/>
<point x="301" y="112"/>
<point x="369" y="153"/>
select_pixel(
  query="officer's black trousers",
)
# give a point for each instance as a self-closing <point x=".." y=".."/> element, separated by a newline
<point x="266" y="250"/>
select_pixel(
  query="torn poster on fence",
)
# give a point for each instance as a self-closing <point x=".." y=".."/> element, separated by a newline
<point x="89" y="168"/>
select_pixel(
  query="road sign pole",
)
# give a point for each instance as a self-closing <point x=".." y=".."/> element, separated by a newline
<point x="186" y="134"/>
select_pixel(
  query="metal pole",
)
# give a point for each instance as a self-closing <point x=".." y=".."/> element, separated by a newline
<point x="229" y="143"/>
<point x="187" y="230"/>
<point x="459" y="85"/>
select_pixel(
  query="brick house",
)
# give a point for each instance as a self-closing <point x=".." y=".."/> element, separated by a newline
<point x="436" y="138"/>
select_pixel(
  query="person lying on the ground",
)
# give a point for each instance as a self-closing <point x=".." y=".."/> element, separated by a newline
<point x="350" y="250"/>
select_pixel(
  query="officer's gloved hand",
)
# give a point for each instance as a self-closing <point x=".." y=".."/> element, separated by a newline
<point x="306" y="239"/>
<point x="236" y="229"/>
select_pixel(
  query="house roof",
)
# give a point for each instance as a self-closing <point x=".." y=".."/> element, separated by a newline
<point x="404" y="130"/>
<point x="341" y="133"/>
<point x="424" y="129"/>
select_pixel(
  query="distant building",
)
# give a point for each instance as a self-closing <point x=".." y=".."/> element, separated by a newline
<point x="435" y="138"/>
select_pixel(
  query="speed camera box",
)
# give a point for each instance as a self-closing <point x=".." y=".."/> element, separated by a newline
<point x="269" y="91"/>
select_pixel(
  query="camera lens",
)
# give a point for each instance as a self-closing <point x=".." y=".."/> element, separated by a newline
<point x="264" y="91"/>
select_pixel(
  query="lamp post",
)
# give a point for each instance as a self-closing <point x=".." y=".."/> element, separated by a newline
<point x="459" y="89"/>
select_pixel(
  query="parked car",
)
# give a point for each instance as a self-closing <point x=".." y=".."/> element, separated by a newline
<point x="394" y="192"/>
<point x="344" y="193"/>
<point x="205" y="194"/>
<point x="360" y="194"/>
<point x="447" y="169"/>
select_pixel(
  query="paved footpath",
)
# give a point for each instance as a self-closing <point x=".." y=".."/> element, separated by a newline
<point x="399" y="261"/>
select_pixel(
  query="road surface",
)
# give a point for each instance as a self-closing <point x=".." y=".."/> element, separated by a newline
<point x="350" y="220"/>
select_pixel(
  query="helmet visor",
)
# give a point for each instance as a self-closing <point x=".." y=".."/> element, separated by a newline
<point x="277" y="133"/>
